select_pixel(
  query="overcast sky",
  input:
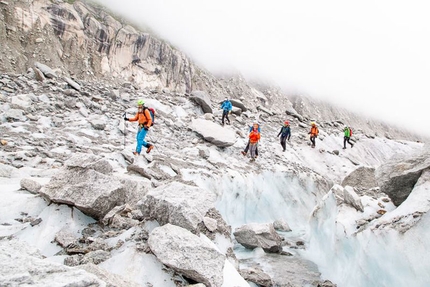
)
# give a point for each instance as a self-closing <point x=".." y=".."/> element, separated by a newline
<point x="372" y="56"/>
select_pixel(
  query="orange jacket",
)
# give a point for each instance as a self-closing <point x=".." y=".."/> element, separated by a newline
<point x="314" y="131"/>
<point x="254" y="136"/>
<point x="143" y="118"/>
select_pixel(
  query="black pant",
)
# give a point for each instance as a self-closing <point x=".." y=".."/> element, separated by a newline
<point x="225" y="115"/>
<point x="247" y="148"/>
<point x="283" y="142"/>
<point x="312" y="138"/>
<point x="345" y="140"/>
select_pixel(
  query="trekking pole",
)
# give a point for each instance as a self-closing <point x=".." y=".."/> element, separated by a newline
<point x="125" y="127"/>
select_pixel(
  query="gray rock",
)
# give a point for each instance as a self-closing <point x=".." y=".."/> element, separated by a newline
<point x="214" y="133"/>
<point x="98" y="124"/>
<point x="362" y="177"/>
<point x="72" y="83"/>
<point x="281" y="225"/>
<point x="351" y="197"/>
<point x="187" y="254"/>
<point x="38" y="74"/>
<point x="257" y="276"/>
<point x="95" y="257"/>
<point x="21" y="264"/>
<point x="259" y="235"/>
<point x="30" y="185"/>
<point x="65" y="238"/>
<point x="6" y="170"/>
<point x="14" y="115"/>
<point x="47" y="71"/>
<point x="210" y="223"/>
<point x="267" y="111"/>
<point x="88" y="161"/>
<point x="21" y="102"/>
<point x="239" y="104"/>
<point x="398" y="177"/>
<point x="202" y="99"/>
<point x="178" y="204"/>
<point x="87" y="184"/>
<point x="112" y="280"/>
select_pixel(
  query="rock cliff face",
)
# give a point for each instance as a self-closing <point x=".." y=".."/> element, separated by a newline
<point x="85" y="42"/>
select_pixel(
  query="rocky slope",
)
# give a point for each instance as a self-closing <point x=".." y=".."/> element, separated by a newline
<point x="70" y="72"/>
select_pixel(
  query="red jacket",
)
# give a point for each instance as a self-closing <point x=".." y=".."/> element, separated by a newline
<point x="254" y="136"/>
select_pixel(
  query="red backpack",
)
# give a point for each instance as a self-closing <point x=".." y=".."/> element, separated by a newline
<point x="152" y="112"/>
<point x="350" y="132"/>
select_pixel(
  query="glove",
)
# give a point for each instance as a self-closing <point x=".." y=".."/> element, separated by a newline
<point x="125" y="119"/>
<point x="146" y="128"/>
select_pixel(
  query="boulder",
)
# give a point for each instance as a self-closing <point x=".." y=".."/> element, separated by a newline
<point x="267" y="111"/>
<point x="202" y="99"/>
<point x="239" y="104"/>
<point x="21" y="265"/>
<point x="72" y="83"/>
<point x="178" y="204"/>
<point x="259" y="235"/>
<point x="236" y="111"/>
<point x="110" y="278"/>
<point x="188" y="254"/>
<point x="257" y="276"/>
<point x="362" y="177"/>
<point x="281" y="225"/>
<point x="86" y="182"/>
<point x="398" y="177"/>
<point x="351" y="197"/>
<point x="214" y="133"/>
<point x="47" y="71"/>
<point x="30" y="185"/>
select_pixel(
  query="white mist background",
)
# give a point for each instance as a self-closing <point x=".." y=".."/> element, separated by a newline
<point x="369" y="56"/>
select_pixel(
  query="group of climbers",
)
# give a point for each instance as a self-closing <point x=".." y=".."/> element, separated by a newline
<point x="145" y="121"/>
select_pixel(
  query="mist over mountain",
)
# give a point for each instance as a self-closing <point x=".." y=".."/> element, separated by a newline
<point x="80" y="208"/>
<point x="369" y="58"/>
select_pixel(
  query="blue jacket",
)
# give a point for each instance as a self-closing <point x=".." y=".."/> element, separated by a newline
<point x="226" y="105"/>
<point x="250" y="129"/>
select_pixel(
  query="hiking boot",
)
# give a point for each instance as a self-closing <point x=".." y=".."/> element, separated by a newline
<point x="244" y="153"/>
<point x="344" y="148"/>
<point x="135" y="153"/>
<point x="352" y="145"/>
<point x="252" y="159"/>
<point x="149" y="148"/>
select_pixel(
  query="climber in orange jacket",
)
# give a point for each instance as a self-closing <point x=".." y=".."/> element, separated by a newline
<point x="254" y="137"/>
<point x="313" y="133"/>
<point x="144" y="119"/>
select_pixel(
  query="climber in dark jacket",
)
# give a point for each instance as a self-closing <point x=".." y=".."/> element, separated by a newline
<point x="285" y="134"/>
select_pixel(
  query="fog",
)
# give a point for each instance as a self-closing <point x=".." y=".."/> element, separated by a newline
<point x="369" y="56"/>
